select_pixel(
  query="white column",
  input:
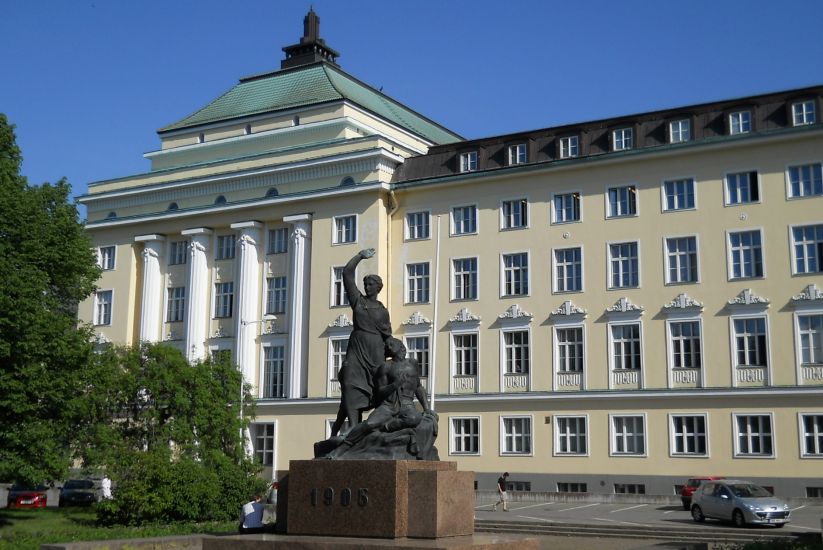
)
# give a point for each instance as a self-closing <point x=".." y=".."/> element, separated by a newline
<point x="247" y="288"/>
<point x="152" y="298"/>
<point x="197" y="294"/>
<point x="299" y="304"/>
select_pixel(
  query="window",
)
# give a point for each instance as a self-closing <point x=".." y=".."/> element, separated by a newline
<point x="808" y="248"/>
<point x="105" y="257"/>
<point x="102" y="307"/>
<point x="681" y="259"/>
<point x="417" y="225"/>
<point x="630" y="488"/>
<point x="465" y="279"/>
<point x="754" y="434"/>
<point x="278" y="241"/>
<point x="570" y="435"/>
<point x="814" y="492"/>
<point x="622" y="139"/>
<point x="338" y="355"/>
<point x="464" y="220"/>
<point x="624" y="265"/>
<point x="176" y="304"/>
<point x="225" y="247"/>
<point x="805" y="180"/>
<point x="517" y="435"/>
<point x="679" y="194"/>
<point x="622" y="201"/>
<point x="569" y="147"/>
<point x="750" y="341"/>
<point x="740" y="123"/>
<point x="686" y="348"/>
<point x="417" y="283"/>
<point x="514" y="214"/>
<point x="276" y="295"/>
<point x="465" y="354"/>
<point x="418" y="349"/>
<point x="465" y="436"/>
<point x="223" y="299"/>
<point x="679" y="131"/>
<point x="468" y="161"/>
<point x="812" y="434"/>
<point x="178" y="252"/>
<point x="274" y="372"/>
<point x="688" y="435"/>
<point x="264" y="444"/>
<point x="626" y="350"/>
<point x="338" y="291"/>
<point x="247" y="129"/>
<point x="803" y="113"/>
<point x="516" y="347"/>
<point x="515" y="274"/>
<point x="566" y="208"/>
<point x="570" y="349"/>
<point x="517" y="154"/>
<point x="810" y="330"/>
<point x="746" y="254"/>
<point x="568" y="270"/>
<point x="566" y="487"/>
<point x="220" y="355"/>
<point x="742" y="188"/>
<point x="345" y="229"/>
<point x="628" y="435"/>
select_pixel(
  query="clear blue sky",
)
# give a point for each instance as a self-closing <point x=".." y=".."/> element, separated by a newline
<point x="88" y="82"/>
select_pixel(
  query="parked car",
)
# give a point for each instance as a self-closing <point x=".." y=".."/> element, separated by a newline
<point x="27" y="496"/>
<point x="688" y="489"/>
<point x="741" y="502"/>
<point x="78" y="492"/>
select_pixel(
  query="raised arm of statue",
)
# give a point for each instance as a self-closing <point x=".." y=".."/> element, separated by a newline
<point x="349" y="280"/>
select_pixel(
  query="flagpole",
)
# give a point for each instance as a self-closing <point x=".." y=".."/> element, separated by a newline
<point x="433" y="354"/>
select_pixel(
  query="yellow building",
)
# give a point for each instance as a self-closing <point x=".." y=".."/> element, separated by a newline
<point x="569" y="292"/>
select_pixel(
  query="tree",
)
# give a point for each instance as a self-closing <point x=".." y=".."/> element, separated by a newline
<point x="46" y="268"/>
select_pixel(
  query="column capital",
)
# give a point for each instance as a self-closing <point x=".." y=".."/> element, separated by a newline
<point x="149" y="238"/>
<point x="197" y="231"/>
<point x="247" y="225"/>
<point x="297" y="218"/>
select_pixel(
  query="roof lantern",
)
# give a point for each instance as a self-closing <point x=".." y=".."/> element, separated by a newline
<point x="311" y="48"/>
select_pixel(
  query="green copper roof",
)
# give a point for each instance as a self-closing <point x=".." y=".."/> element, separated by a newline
<point x="309" y="85"/>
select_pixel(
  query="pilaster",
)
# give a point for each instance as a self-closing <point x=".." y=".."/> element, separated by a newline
<point x="197" y="293"/>
<point x="152" y="297"/>
<point x="248" y="298"/>
<point x="299" y="274"/>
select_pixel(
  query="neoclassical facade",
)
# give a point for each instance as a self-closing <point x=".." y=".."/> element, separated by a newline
<point x="611" y="306"/>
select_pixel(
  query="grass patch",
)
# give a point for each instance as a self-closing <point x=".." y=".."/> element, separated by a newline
<point x="28" y="529"/>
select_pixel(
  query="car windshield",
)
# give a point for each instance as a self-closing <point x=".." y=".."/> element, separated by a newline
<point x="747" y="490"/>
<point x="79" y="484"/>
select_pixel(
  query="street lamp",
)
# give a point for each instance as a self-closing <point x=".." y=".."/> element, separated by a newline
<point x="245" y="436"/>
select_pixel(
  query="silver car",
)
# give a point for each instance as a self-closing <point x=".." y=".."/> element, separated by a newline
<point x="740" y="502"/>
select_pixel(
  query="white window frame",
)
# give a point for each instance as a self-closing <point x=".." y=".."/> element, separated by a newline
<point x="677" y="131"/>
<point x="569" y="147"/>
<point x="733" y="343"/>
<point x="799" y="340"/>
<point x="221" y="250"/>
<point x="424" y="367"/>
<point x="623" y="139"/>
<point x="277" y="236"/>
<point x="337" y="289"/>
<point x="174" y="254"/>
<point x="515" y="271"/>
<point x="253" y="443"/>
<point x="453" y="436"/>
<point x="339" y="237"/>
<point x="664" y="195"/>
<point x="468" y="161"/>
<point x="215" y="300"/>
<point x="420" y="279"/>
<point x="407" y="226"/>
<point x="631" y="189"/>
<point x="504" y="435"/>
<point x="453" y="224"/>
<point x="575" y="195"/>
<point x="506" y="221"/>
<point x="755" y="185"/>
<point x="736" y="434"/>
<point x="670" y="355"/>
<point x="453" y="353"/>
<point x="740" y="122"/>
<point x="804" y="113"/>
<point x="666" y="256"/>
<point x="504" y="352"/>
<point x="335" y="354"/>
<point x="555" y="266"/>
<point x="612" y="365"/>
<point x="674" y="436"/>
<point x="613" y="435"/>
<point x="817" y="434"/>
<point x="811" y="165"/>
<point x="102" y="257"/>
<point x="556" y="355"/>
<point x="176" y="299"/>
<point x="271" y="345"/>
<point x="558" y="435"/>
<point x="609" y="265"/>
<point x="97" y="304"/>
<point x="819" y="253"/>
<point x="453" y="280"/>
<point x="271" y="291"/>
<point x="518" y="154"/>
<point x="731" y="251"/>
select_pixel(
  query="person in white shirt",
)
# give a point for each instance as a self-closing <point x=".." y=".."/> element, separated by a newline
<point x="251" y="516"/>
<point x="105" y="487"/>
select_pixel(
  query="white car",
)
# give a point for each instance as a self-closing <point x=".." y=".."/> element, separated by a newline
<point x="741" y="502"/>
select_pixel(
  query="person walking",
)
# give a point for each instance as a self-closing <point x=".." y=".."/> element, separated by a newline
<point x="501" y="490"/>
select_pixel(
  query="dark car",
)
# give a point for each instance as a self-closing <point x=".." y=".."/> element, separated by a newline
<point x="78" y="492"/>
<point x="27" y="496"/>
<point x="688" y="489"/>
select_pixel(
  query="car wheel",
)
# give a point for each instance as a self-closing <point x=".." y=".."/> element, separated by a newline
<point x="686" y="504"/>
<point x="738" y="519"/>
<point x="697" y="514"/>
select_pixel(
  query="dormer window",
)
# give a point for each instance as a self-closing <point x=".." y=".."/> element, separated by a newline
<point x="172" y="207"/>
<point x="248" y="129"/>
<point x="221" y="199"/>
<point x="680" y="131"/>
<point x="295" y="121"/>
<point x="569" y="147"/>
<point x="517" y="154"/>
<point x="468" y="161"/>
<point x="201" y="137"/>
<point x="740" y="122"/>
<point x="622" y="139"/>
<point x="803" y="113"/>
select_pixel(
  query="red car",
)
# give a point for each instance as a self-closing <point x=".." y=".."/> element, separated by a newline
<point x="688" y="489"/>
<point x="26" y="496"/>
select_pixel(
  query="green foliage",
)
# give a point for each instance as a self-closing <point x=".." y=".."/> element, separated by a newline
<point x="46" y="267"/>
